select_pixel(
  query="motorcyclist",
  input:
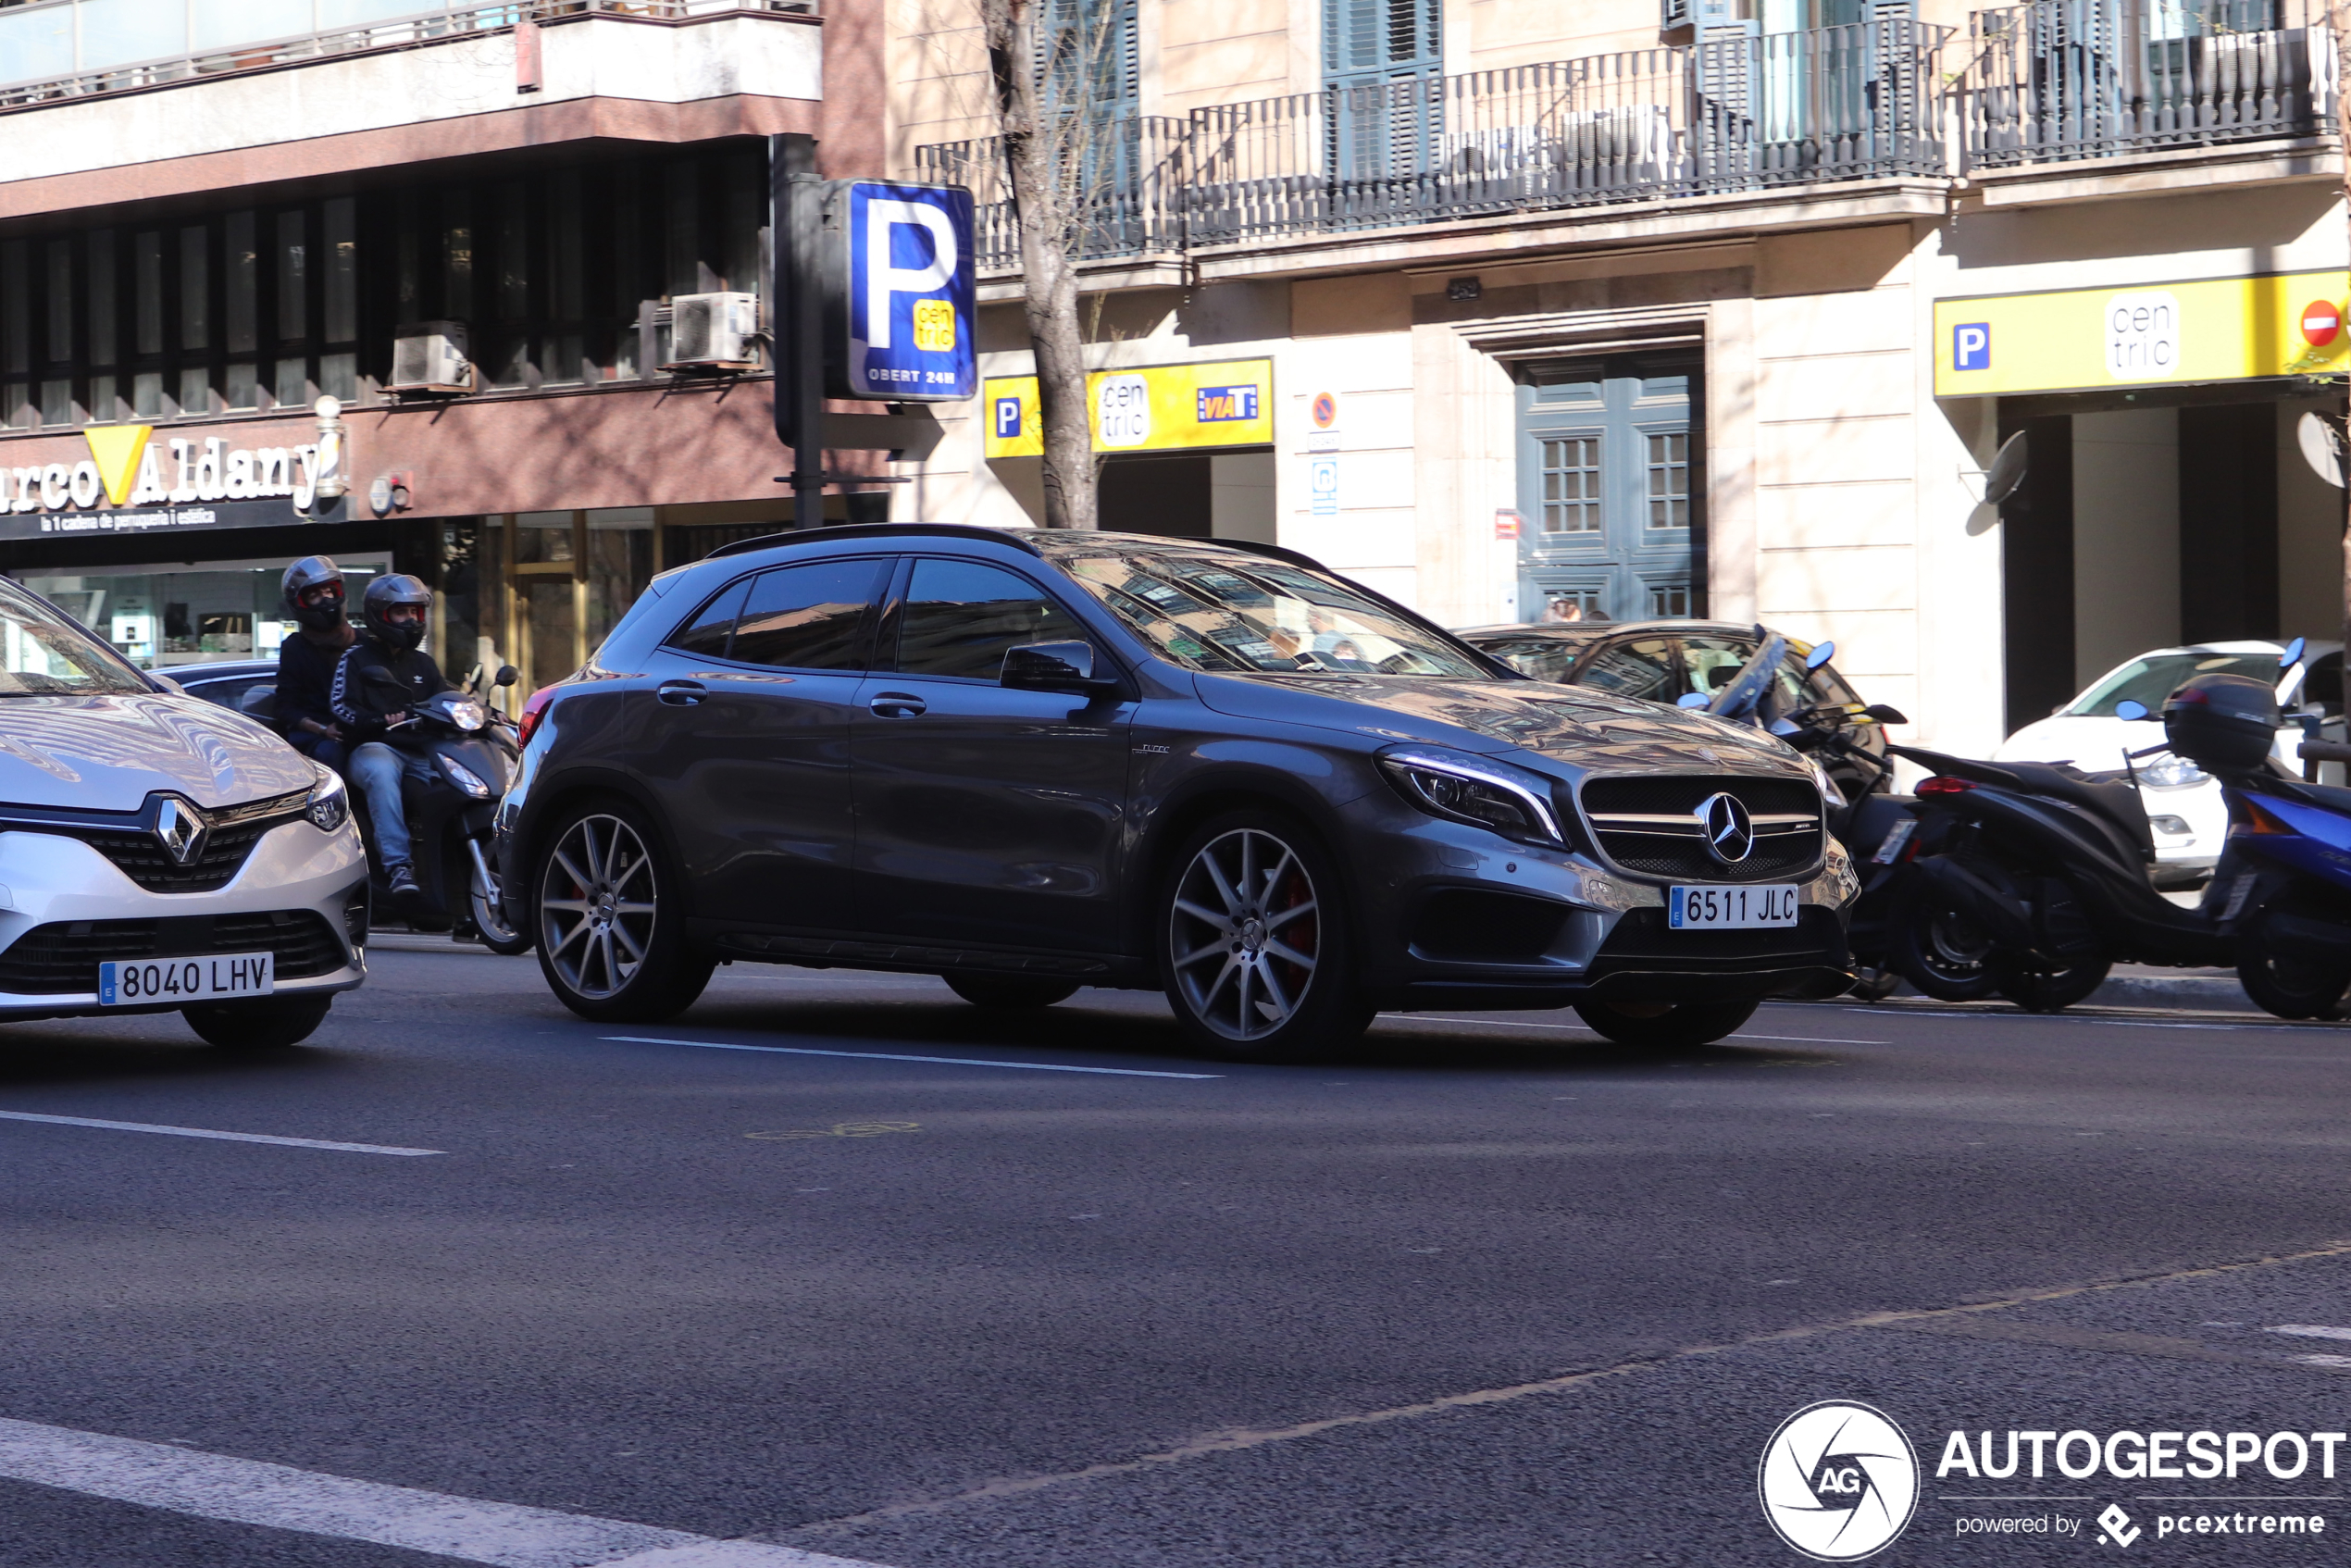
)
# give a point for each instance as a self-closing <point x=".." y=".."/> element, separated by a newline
<point x="306" y="661"/>
<point x="392" y="616"/>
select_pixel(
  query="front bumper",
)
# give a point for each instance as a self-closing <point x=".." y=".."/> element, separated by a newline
<point x="1458" y="918"/>
<point x="51" y="885"/>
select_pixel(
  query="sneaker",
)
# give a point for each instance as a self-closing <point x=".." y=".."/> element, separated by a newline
<point x="402" y="880"/>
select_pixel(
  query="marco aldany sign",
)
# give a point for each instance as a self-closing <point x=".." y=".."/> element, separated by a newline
<point x="134" y="482"/>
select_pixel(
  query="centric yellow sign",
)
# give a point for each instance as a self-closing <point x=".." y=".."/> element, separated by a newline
<point x="1151" y="408"/>
<point x="2145" y="334"/>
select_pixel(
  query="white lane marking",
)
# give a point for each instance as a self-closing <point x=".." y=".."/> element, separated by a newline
<point x="209" y="1132"/>
<point x="248" y="1491"/>
<point x="881" y="1056"/>
<point x="2312" y="1331"/>
<point x="1587" y="1028"/>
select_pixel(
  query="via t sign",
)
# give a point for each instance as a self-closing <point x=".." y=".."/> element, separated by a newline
<point x="900" y="291"/>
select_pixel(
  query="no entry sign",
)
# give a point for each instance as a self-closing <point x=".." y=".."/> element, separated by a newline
<point x="2320" y="322"/>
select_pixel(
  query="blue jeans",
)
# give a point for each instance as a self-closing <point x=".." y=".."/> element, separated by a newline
<point x="378" y="769"/>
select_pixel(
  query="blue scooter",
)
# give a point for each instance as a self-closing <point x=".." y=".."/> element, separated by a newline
<point x="2282" y="888"/>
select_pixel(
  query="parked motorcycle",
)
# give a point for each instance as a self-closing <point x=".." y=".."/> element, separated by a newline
<point x="474" y="753"/>
<point x="2042" y="872"/>
<point x="2283" y="889"/>
<point x="1874" y="824"/>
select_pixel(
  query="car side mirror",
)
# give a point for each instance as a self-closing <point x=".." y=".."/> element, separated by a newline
<point x="507" y="675"/>
<point x="1051" y="666"/>
<point x="1884" y="714"/>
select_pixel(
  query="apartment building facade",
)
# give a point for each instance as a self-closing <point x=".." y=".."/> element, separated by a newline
<point x="481" y="231"/>
<point x="1715" y="309"/>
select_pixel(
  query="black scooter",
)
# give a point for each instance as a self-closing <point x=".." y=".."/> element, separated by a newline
<point x="2037" y="878"/>
<point x="474" y="754"/>
<point x="1873" y="824"/>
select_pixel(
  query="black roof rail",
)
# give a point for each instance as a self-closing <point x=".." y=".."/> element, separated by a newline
<point x="1277" y="551"/>
<point x="876" y="530"/>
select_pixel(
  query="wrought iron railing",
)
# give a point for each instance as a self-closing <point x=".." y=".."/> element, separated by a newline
<point x="2057" y="79"/>
<point x="70" y="48"/>
<point x="1843" y="102"/>
<point x="1118" y="183"/>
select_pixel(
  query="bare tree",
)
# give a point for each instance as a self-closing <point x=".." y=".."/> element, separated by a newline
<point x="1044" y="58"/>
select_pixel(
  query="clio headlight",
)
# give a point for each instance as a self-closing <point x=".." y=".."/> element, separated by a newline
<point x="1472" y="790"/>
<point x="329" y="806"/>
<point x="2170" y="772"/>
<point x="464" y="777"/>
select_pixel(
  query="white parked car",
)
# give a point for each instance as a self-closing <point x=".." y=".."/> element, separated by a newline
<point x="159" y="853"/>
<point x="2184" y="802"/>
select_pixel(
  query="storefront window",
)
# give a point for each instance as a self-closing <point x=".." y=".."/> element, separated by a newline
<point x="165" y="617"/>
<point x="620" y="562"/>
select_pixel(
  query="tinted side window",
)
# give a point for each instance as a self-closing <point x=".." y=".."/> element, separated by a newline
<point x="707" y="633"/>
<point x="1711" y="661"/>
<point x="1634" y="669"/>
<point x="960" y="616"/>
<point x="1545" y="658"/>
<point x="807" y="617"/>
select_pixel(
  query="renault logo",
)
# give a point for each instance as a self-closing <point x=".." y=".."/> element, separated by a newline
<point x="1729" y="834"/>
<point x="179" y="830"/>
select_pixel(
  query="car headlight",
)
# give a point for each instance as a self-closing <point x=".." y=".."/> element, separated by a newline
<point x="329" y="806"/>
<point x="2171" y="773"/>
<point x="1472" y="790"/>
<point x="467" y="716"/>
<point x="464" y="777"/>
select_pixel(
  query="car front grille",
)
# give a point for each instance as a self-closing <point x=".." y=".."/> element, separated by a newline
<point x="230" y="835"/>
<point x="63" y="957"/>
<point x="1647" y="824"/>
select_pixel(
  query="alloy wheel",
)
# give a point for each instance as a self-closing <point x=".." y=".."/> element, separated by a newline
<point x="596" y="907"/>
<point x="1245" y="935"/>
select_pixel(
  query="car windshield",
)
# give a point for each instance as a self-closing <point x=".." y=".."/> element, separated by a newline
<point x="42" y="653"/>
<point x="2149" y="681"/>
<point x="1221" y="611"/>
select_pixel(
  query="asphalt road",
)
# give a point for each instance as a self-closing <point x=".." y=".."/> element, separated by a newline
<point x="1489" y="1292"/>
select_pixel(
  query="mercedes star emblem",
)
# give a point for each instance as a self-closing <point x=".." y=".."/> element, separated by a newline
<point x="178" y="829"/>
<point x="1729" y="834"/>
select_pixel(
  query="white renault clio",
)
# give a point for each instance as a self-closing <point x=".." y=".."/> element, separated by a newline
<point x="158" y="853"/>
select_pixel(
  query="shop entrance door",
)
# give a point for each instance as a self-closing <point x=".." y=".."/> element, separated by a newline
<point x="1604" y="488"/>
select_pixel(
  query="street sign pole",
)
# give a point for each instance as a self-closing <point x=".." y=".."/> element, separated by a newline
<point x="796" y="223"/>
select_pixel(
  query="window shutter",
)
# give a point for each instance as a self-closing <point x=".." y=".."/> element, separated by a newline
<point x="1675" y="12"/>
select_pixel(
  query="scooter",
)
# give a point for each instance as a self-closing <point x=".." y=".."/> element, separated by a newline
<point x="2283" y="889"/>
<point x="1874" y="824"/>
<point x="474" y="754"/>
<point x="2048" y="870"/>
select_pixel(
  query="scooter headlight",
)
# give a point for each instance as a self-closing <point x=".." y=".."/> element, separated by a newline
<point x="464" y="777"/>
<point x="329" y="806"/>
<point x="468" y="715"/>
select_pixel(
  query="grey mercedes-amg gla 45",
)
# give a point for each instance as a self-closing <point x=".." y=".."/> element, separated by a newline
<point x="1029" y="761"/>
<point x="160" y="853"/>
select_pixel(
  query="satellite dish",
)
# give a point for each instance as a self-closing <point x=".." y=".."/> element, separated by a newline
<point x="2322" y="448"/>
<point x="2005" y="476"/>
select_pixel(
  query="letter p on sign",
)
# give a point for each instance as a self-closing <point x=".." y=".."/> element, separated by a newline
<point x="1971" y="346"/>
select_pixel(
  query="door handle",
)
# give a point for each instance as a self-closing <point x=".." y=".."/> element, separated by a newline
<point x="897" y="704"/>
<point x="681" y="693"/>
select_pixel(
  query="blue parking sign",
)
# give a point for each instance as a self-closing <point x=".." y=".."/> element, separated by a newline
<point x="1971" y="346"/>
<point x="910" y="293"/>
<point x="1008" y="418"/>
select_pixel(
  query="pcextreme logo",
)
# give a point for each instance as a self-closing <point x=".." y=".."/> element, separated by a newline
<point x="126" y="467"/>
<point x="1838" y="1481"/>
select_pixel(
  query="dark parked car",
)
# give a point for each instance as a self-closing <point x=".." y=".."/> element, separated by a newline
<point x="1662" y="661"/>
<point x="1031" y="761"/>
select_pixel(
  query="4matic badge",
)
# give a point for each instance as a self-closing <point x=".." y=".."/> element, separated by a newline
<point x="1838" y="1481"/>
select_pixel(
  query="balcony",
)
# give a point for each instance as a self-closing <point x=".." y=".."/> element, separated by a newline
<point x="1736" y="115"/>
<point x="2057" y="81"/>
<point x="61" y="49"/>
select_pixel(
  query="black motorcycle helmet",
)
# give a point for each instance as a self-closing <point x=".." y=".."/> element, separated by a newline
<point x="314" y="572"/>
<point x="375" y="609"/>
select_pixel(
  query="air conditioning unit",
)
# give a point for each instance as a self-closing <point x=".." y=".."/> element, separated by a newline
<point x="713" y="332"/>
<point x="430" y="357"/>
